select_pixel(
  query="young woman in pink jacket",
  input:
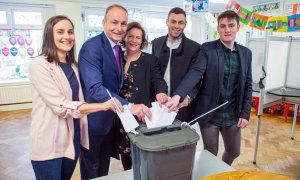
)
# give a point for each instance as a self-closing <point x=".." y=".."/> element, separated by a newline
<point x="59" y="112"/>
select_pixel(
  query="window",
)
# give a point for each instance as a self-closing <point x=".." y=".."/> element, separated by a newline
<point x="3" y="18"/>
<point x="160" y="28"/>
<point x="27" y="18"/>
<point x="20" y="39"/>
<point x="154" y="23"/>
<point x="92" y="21"/>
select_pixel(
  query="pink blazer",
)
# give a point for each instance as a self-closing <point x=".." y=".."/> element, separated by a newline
<point x="52" y="128"/>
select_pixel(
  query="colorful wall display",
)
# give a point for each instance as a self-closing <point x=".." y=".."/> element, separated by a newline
<point x="17" y="46"/>
<point x="294" y="23"/>
<point x="278" y="24"/>
<point x="245" y="15"/>
<point x="195" y="6"/>
<point x="295" y="9"/>
<point x="258" y="21"/>
<point x="232" y="5"/>
<point x="269" y="7"/>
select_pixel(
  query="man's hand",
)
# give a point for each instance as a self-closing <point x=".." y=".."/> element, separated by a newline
<point x="173" y="103"/>
<point x="184" y="103"/>
<point x="161" y="98"/>
<point x="242" y="123"/>
<point x="140" y="110"/>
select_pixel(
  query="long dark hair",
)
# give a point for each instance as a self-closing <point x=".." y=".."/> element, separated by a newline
<point x="48" y="47"/>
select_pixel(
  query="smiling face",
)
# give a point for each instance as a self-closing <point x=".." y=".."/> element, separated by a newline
<point x="64" y="38"/>
<point x="133" y="40"/>
<point x="176" y="24"/>
<point x="228" y="28"/>
<point x="115" y="24"/>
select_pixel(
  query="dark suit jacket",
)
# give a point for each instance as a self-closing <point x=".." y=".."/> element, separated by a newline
<point x="98" y="72"/>
<point x="182" y="60"/>
<point x="210" y="65"/>
<point x="147" y="80"/>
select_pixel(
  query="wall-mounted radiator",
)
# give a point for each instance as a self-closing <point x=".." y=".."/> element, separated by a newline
<point x="10" y="95"/>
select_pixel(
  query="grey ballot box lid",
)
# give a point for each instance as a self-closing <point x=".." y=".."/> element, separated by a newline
<point x="164" y="138"/>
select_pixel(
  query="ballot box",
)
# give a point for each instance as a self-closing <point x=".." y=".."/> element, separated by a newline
<point x="164" y="153"/>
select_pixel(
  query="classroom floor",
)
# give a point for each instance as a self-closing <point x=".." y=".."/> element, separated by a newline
<point x="277" y="152"/>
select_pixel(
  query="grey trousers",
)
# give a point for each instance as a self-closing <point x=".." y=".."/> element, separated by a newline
<point x="231" y="137"/>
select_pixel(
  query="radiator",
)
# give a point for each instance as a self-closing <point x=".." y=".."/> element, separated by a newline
<point x="10" y="95"/>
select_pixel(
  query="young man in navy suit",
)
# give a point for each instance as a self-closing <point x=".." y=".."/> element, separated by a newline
<point x="100" y="67"/>
<point x="225" y="68"/>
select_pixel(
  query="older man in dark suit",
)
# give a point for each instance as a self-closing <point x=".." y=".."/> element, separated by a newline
<point x="100" y="67"/>
<point x="225" y="68"/>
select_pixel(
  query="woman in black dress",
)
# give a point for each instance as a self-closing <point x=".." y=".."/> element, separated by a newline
<point x="143" y="82"/>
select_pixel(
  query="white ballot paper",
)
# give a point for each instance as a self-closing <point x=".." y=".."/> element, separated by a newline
<point x="128" y="121"/>
<point x="160" y="116"/>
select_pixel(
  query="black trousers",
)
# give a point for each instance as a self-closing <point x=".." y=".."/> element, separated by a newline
<point x="95" y="161"/>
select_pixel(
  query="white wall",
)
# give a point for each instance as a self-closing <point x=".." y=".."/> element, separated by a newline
<point x="201" y="32"/>
<point x="72" y="8"/>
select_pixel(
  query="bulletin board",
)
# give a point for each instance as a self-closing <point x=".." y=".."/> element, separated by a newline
<point x="293" y="79"/>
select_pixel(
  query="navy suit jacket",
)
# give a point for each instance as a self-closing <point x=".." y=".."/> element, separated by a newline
<point x="98" y="72"/>
<point x="210" y="66"/>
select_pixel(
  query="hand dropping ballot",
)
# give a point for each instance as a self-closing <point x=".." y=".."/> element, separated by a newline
<point x="160" y="116"/>
<point x="128" y="121"/>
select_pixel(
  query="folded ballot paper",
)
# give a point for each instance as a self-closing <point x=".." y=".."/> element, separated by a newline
<point x="128" y="121"/>
<point x="160" y="116"/>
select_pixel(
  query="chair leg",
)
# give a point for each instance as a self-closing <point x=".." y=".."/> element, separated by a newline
<point x="286" y="110"/>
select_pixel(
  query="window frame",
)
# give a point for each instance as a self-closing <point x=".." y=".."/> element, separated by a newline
<point x="85" y="12"/>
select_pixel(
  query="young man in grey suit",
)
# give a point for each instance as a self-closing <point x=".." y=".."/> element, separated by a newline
<point x="100" y="67"/>
<point x="225" y="68"/>
<point x="176" y="54"/>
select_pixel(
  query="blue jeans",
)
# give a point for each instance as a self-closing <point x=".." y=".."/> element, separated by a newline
<point x="59" y="168"/>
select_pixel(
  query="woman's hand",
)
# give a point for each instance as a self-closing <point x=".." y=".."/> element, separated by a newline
<point x="161" y="98"/>
<point x="87" y="108"/>
<point x="112" y="104"/>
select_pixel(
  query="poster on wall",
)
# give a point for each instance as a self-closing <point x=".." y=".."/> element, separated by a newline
<point x="259" y="21"/>
<point x="278" y="24"/>
<point x="268" y="7"/>
<point x="244" y="14"/>
<point x="294" y="23"/>
<point x="17" y="47"/>
<point x="195" y="6"/>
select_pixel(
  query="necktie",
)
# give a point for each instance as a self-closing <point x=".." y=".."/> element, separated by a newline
<point x="117" y="55"/>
